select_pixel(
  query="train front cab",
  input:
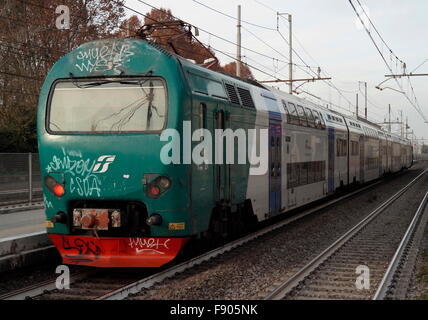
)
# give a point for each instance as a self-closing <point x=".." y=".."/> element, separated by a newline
<point x="110" y="201"/>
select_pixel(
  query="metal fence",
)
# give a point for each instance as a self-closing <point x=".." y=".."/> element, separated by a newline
<point x="20" y="179"/>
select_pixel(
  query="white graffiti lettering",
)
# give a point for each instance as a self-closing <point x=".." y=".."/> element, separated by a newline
<point x="79" y="173"/>
<point x="107" y="57"/>
<point x="149" y="245"/>
<point x="48" y="204"/>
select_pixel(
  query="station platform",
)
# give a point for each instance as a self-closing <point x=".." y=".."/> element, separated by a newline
<point x="21" y="223"/>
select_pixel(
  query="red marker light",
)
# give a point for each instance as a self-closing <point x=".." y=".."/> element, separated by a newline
<point x="59" y="190"/>
<point x="155" y="190"/>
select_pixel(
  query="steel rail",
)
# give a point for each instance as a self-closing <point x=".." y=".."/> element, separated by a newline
<point x="148" y="282"/>
<point x="287" y="286"/>
<point x="388" y="278"/>
<point x="19" y="191"/>
<point x="42" y="287"/>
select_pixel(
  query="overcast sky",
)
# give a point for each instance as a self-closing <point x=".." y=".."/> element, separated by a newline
<point x="330" y="34"/>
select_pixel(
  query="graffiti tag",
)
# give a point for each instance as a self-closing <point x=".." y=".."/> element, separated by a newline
<point x="82" y="247"/>
<point x="149" y="245"/>
<point x="103" y="58"/>
<point x="82" y="179"/>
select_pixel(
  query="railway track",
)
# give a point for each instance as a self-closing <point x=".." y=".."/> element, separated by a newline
<point x="396" y="281"/>
<point x="369" y="248"/>
<point x="116" y="285"/>
<point x="19" y="191"/>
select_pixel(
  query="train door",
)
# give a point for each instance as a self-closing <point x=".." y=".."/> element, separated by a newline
<point x="388" y="156"/>
<point x="221" y="168"/>
<point x="380" y="157"/>
<point x="291" y="195"/>
<point x="331" y="157"/>
<point x="275" y="143"/>
<point x="362" y="159"/>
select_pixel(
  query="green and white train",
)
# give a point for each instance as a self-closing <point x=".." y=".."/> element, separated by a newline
<point x="105" y="117"/>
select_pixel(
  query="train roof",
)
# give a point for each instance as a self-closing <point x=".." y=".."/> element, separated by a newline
<point x="333" y="118"/>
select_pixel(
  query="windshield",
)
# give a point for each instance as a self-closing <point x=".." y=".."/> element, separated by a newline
<point x="109" y="106"/>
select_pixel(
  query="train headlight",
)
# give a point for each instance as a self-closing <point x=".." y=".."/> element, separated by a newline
<point x="164" y="183"/>
<point x="54" y="187"/>
<point x="158" y="187"/>
<point x="154" y="220"/>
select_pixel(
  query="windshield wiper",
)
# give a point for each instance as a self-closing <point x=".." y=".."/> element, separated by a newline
<point x="150" y="97"/>
<point x="101" y="82"/>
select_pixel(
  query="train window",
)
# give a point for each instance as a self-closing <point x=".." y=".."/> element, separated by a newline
<point x="302" y="116"/>
<point x="355" y="148"/>
<point x="292" y="175"/>
<point x="284" y="106"/>
<point x="317" y="119"/>
<point x="205" y="85"/>
<point x="341" y="147"/>
<point x="310" y="116"/>
<point x="311" y="172"/>
<point x="322" y="121"/>
<point x="303" y="174"/>
<point x="108" y="106"/>
<point x="293" y="116"/>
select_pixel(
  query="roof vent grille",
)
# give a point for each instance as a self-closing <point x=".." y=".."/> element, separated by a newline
<point x="231" y="92"/>
<point x="247" y="100"/>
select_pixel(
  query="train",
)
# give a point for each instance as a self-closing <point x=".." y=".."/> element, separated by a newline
<point x="138" y="150"/>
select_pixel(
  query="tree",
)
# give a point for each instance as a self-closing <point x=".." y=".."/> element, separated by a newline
<point x="30" y="43"/>
<point x="129" y="27"/>
<point x="246" y="73"/>
<point x="162" y="28"/>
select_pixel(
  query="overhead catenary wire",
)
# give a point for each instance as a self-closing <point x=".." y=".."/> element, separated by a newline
<point x="200" y="29"/>
<point x="232" y="17"/>
<point x="417" y="108"/>
<point x="314" y="74"/>
<point x="329" y="82"/>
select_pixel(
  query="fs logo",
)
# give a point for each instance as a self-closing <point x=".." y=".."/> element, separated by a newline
<point x="102" y="164"/>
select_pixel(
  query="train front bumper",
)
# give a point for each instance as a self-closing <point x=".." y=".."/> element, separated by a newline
<point x="112" y="252"/>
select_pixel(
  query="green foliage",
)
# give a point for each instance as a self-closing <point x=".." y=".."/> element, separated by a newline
<point x="18" y="130"/>
<point x="30" y="45"/>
